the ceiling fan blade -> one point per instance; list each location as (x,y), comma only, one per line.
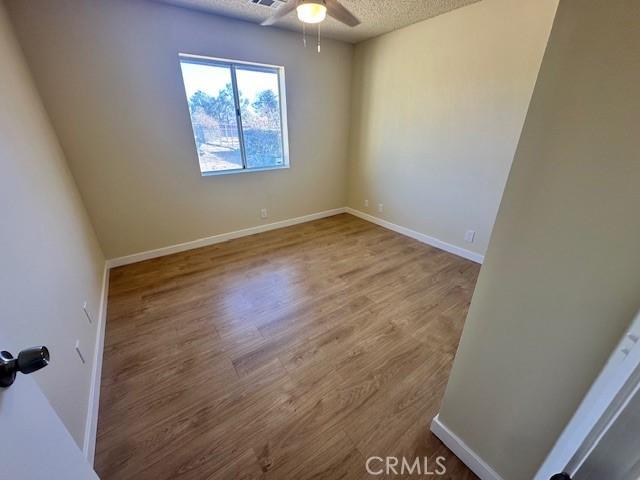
(283,10)
(340,13)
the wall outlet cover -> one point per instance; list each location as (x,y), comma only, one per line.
(470,236)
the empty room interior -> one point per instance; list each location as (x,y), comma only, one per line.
(320,239)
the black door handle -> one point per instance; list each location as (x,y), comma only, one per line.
(28,361)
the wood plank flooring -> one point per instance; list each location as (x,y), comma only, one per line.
(292,354)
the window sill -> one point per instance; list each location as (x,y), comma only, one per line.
(242,170)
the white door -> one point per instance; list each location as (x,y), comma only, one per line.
(598,414)
(617,455)
(34,443)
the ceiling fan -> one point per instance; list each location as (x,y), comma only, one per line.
(314,11)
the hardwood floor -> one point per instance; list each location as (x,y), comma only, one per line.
(292,354)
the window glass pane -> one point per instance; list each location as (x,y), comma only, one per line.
(261,124)
(213,115)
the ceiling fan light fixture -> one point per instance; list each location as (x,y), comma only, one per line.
(311,12)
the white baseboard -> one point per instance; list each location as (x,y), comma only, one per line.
(421,237)
(223,237)
(462,451)
(91,427)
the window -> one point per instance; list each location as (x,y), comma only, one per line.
(238,114)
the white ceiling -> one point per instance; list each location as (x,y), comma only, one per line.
(377,16)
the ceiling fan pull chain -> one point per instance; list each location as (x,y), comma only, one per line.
(318,38)
(304,34)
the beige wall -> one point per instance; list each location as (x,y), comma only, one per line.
(437,111)
(51,262)
(561,279)
(109,76)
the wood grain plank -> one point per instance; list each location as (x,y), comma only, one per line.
(291,354)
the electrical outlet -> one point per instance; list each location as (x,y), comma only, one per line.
(366,203)
(470,236)
(380,208)
(79,352)
(264,213)
(86,312)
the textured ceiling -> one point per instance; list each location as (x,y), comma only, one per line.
(377,16)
